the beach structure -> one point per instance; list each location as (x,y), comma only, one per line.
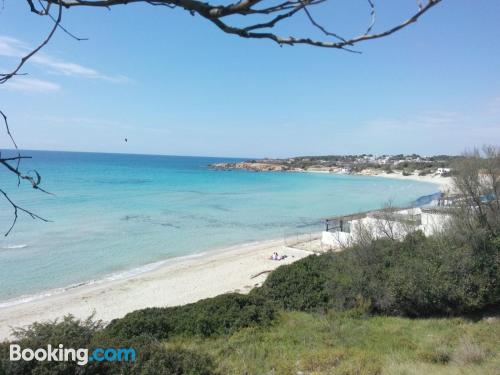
(394,223)
(443,171)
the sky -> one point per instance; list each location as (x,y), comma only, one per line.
(174,84)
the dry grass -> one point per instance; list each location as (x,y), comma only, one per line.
(469,352)
(342,344)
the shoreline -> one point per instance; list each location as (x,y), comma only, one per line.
(168,282)
(445,184)
(178,281)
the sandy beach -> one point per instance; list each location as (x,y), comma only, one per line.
(177,282)
(445,183)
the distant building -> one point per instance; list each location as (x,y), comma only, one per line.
(345,170)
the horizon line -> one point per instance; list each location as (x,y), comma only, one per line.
(218,157)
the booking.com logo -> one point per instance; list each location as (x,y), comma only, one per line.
(80,356)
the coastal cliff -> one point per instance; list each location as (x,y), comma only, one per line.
(349,164)
(257,167)
(425,169)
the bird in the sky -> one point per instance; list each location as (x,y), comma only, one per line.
(126,140)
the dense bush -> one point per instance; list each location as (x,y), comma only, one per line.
(416,277)
(223,314)
(152,356)
(70,332)
(298,286)
(141,330)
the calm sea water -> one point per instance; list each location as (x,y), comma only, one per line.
(113,213)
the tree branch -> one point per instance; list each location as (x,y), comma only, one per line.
(5,77)
(280,12)
(18,208)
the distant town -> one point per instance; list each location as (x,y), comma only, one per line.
(352,164)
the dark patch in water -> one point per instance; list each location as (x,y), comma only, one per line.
(426,199)
(170,225)
(148,219)
(136,217)
(128,181)
(220,207)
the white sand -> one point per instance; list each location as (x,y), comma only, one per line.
(178,282)
(445,183)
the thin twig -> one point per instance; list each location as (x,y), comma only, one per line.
(18,208)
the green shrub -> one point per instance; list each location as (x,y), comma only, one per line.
(220,315)
(152,356)
(71,332)
(298,286)
(416,277)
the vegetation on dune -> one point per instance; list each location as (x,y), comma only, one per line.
(352,343)
(333,343)
(153,357)
(221,315)
(418,276)
(298,286)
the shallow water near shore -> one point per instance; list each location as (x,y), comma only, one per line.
(112,214)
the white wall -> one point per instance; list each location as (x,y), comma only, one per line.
(430,223)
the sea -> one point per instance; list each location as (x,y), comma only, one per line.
(115,215)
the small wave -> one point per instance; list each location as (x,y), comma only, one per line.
(121,275)
(11,247)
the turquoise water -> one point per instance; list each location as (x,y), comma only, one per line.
(112,213)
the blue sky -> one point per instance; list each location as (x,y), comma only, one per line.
(174,84)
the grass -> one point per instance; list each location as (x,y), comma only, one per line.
(301,343)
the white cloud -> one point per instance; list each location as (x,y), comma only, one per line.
(11,47)
(431,131)
(30,84)
(423,122)
(73,69)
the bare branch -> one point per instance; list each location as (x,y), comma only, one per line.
(8,129)
(16,209)
(260,30)
(372,15)
(34,181)
(5,77)
(61,26)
